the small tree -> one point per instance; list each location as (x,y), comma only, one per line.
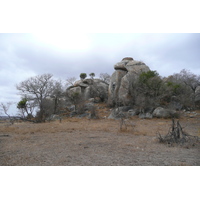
(83,75)
(23,104)
(25,107)
(75,98)
(92,75)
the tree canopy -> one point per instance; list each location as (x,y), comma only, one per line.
(83,75)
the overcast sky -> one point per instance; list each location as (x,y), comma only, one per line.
(114,28)
(68,55)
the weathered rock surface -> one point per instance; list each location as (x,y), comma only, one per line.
(197,95)
(136,67)
(114,86)
(120,112)
(127,58)
(76,90)
(89,88)
(120,85)
(145,116)
(121,65)
(133,112)
(163,113)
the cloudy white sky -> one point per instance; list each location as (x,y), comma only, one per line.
(68,55)
(66,39)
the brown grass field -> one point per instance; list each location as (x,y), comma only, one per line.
(100,142)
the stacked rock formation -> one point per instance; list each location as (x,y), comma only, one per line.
(120,85)
(89,88)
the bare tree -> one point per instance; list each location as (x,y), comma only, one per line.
(4,108)
(57,96)
(70,81)
(190,79)
(105,77)
(184,85)
(37,89)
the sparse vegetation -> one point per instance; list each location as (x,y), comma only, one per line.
(177,135)
(43,98)
(4,108)
(94,142)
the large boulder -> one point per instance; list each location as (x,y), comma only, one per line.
(75,90)
(120,112)
(197,95)
(120,66)
(124,90)
(127,59)
(136,67)
(163,113)
(115,82)
(84,82)
(145,116)
(122,79)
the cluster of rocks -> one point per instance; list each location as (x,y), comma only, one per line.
(118,93)
(120,86)
(85,94)
(89,88)
(191,114)
(83,110)
(149,113)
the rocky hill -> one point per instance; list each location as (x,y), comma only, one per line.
(89,88)
(120,85)
(135,89)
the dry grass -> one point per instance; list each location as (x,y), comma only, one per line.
(95,142)
(133,126)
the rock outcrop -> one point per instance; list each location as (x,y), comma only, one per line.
(197,95)
(120,85)
(89,88)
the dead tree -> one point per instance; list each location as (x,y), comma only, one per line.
(176,135)
(124,120)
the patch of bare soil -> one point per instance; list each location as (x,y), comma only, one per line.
(77,142)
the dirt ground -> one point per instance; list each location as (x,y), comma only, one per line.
(84,142)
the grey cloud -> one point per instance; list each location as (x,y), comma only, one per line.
(167,53)
(22,56)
